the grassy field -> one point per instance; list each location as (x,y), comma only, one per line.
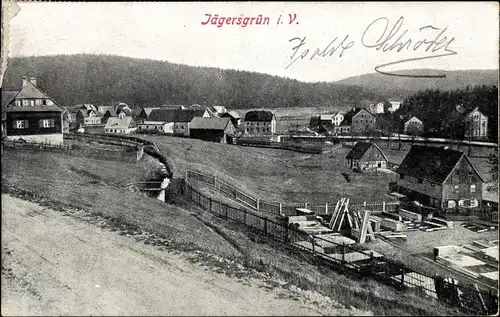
(50,179)
(277,175)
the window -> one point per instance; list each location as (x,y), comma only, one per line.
(46,123)
(472,188)
(26,102)
(474,203)
(21,124)
(451,204)
(38,102)
(456,188)
(401,176)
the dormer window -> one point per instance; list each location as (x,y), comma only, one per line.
(38,102)
(26,102)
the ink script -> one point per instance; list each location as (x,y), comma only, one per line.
(382,36)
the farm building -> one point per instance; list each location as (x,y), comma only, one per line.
(326,119)
(356,120)
(212,129)
(33,116)
(413,126)
(102,109)
(144,113)
(366,156)
(234,116)
(122,124)
(476,125)
(260,122)
(85,117)
(7,97)
(110,113)
(172,121)
(440,177)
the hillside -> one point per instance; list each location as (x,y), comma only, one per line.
(101,79)
(401,85)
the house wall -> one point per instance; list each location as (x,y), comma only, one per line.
(476,125)
(362,121)
(412,123)
(458,184)
(54,138)
(344,129)
(119,130)
(373,158)
(421,186)
(181,128)
(337,119)
(92,120)
(260,127)
(33,123)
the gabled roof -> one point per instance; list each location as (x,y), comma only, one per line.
(209,123)
(84,113)
(148,110)
(112,113)
(29,91)
(475,109)
(7,97)
(234,114)
(360,149)
(117,123)
(350,114)
(410,118)
(259,115)
(126,110)
(431,163)
(172,115)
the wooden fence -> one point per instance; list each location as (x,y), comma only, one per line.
(284,209)
(354,260)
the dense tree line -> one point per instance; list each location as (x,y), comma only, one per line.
(443,112)
(101,79)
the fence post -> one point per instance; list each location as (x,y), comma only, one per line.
(210,204)
(313,244)
(364,204)
(281,208)
(265,225)
(258,204)
(383,206)
(343,253)
(305,205)
(215,181)
(326,208)
(244,217)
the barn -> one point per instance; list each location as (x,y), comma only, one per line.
(366,156)
(212,129)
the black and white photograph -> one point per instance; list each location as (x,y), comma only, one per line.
(249,158)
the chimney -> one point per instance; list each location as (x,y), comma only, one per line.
(25,81)
(33,81)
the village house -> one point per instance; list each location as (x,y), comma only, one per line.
(33,116)
(413,126)
(356,120)
(476,125)
(122,107)
(395,104)
(260,122)
(122,124)
(440,177)
(212,129)
(337,119)
(326,120)
(110,113)
(144,113)
(102,109)
(216,111)
(85,118)
(377,108)
(170,121)
(365,156)
(234,116)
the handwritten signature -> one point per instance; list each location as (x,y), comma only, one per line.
(394,40)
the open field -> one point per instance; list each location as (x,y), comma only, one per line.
(277,175)
(187,228)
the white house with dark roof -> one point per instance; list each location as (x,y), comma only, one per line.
(413,125)
(122,124)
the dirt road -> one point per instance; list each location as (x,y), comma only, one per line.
(59,265)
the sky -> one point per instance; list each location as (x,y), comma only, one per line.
(176,32)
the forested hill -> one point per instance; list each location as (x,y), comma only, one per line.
(100,79)
(453,80)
